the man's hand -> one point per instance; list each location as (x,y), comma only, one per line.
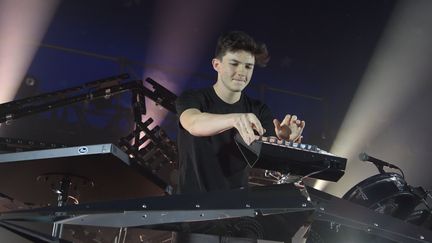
(246,123)
(290,128)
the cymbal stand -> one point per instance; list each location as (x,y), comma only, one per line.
(63,185)
(62,196)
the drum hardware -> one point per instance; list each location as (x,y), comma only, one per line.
(386,193)
(422,215)
(301,186)
(162,149)
(423,194)
(279,177)
(297,181)
(390,194)
(118,180)
(63,185)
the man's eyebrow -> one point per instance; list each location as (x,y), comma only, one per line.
(235,60)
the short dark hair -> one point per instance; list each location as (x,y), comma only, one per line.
(240,41)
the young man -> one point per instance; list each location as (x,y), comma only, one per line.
(209,118)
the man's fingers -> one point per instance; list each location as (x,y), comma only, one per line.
(256,124)
(297,134)
(245,137)
(298,140)
(276,124)
(294,119)
(244,134)
(260,130)
(284,132)
(258,127)
(287,119)
(247,125)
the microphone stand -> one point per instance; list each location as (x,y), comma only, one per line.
(380,168)
(379,164)
(382,171)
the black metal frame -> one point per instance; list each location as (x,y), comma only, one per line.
(168,212)
(158,144)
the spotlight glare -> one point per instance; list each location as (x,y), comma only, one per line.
(22,26)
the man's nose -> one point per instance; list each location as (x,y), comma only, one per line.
(241,70)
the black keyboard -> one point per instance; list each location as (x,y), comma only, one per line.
(271,153)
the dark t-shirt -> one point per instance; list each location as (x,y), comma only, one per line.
(214,162)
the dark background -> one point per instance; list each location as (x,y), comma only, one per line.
(319,51)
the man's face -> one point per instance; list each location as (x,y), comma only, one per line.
(234,70)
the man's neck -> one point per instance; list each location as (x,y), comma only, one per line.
(225,95)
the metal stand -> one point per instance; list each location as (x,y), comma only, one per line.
(121,237)
(281,178)
(63,185)
(154,146)
(62,197)
(148,152)
(150,149)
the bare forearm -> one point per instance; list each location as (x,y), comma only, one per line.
(203,124)
(208,124)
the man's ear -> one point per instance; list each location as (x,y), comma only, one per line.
(216,64)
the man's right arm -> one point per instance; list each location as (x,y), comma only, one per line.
(201,124)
